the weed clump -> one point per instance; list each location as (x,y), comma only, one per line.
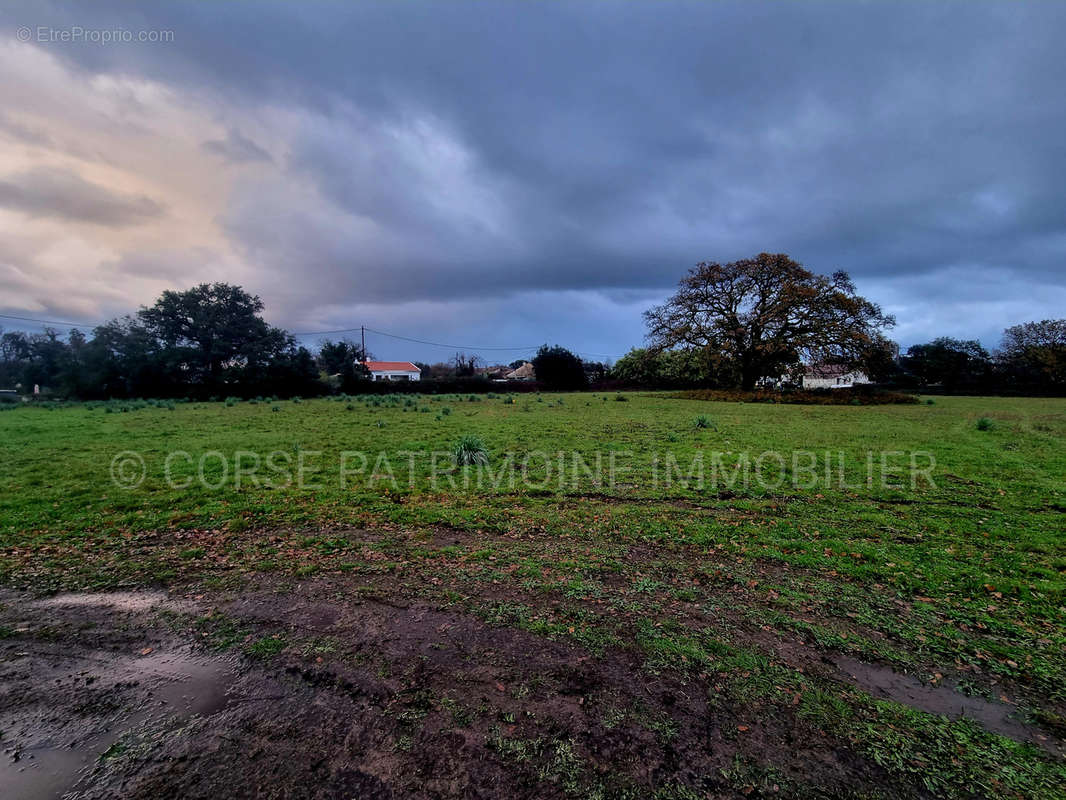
(470,450)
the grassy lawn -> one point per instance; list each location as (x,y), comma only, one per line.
(956,577)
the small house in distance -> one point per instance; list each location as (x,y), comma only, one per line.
(393,371)
(832,376)
(523,373)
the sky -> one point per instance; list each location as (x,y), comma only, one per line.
(501,175)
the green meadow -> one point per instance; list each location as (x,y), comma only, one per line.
(928,538)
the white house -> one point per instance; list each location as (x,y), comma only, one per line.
(393,371)
(817,376)
(832,376)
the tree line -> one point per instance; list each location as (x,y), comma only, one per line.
(208,341)
(728,325)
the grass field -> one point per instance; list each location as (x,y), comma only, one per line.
(839,613)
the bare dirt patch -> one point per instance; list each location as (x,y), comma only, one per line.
(339,686)
(354,697)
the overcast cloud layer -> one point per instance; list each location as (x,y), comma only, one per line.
(510,174)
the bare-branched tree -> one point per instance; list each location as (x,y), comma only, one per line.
(762,316)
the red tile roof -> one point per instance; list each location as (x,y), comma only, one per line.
(391,366)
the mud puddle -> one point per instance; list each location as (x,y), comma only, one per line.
(63,707)
(885,683)
(141,602)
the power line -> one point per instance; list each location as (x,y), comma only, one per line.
(450,346)
(410,339)
(48,321)
(454,346)
(336,331)
(325,333)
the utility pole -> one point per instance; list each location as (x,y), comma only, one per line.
(362,340)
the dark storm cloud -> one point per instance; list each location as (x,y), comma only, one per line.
(63,194)
(608,146)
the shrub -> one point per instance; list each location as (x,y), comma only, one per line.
(985,424)
(470,450)
(446,410)
(930,402)
(703,421)
(820,397)
(231,402)
(297,400)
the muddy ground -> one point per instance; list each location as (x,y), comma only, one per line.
(321,689)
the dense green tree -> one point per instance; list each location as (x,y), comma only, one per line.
(14,359)
(212,332)
(951,363)
(646,367)
(1034,353)
(344,360)
(558,368)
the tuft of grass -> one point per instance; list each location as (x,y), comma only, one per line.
(985,424)
(703,421)
(470,450)
(266,647)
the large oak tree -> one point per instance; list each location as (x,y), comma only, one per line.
(762,316)
(212,333)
